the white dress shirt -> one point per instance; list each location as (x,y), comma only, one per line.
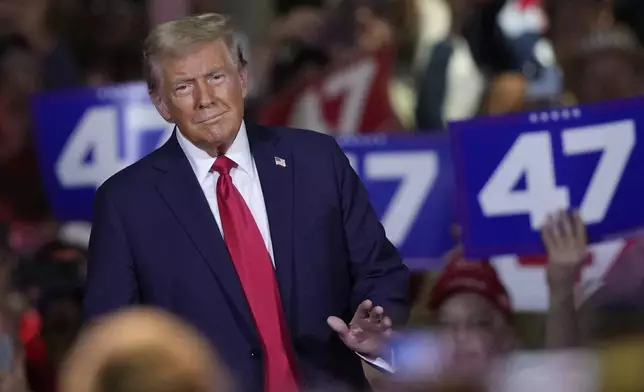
(246,180)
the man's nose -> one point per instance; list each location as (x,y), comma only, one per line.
(205,95)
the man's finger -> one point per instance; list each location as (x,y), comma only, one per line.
(363,311)
(387,323)
(372,325)
(338,325)
(374,322)
(557,232)
(376,314)
(580,228)
(566,227)
(547,234)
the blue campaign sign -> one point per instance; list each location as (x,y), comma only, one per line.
(410,184)
(84,136)
(512,171)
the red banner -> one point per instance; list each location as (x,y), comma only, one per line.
(352,97)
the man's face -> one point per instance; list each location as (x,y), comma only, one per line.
(203,93)
(478,331)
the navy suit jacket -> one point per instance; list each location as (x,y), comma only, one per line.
(155,242)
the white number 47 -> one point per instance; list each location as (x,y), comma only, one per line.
(531,156)
(417,172)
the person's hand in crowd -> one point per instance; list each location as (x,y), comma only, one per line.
(566,243)
(302,24)
(367,332)
(373,31)
(565,240)
(28,18)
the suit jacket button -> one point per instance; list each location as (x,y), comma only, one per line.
(255,353)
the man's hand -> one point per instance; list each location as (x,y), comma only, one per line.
(567,245)
(367,331)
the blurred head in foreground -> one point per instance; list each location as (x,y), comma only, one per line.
(142,350)
(473,308)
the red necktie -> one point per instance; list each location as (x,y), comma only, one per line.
(257,275)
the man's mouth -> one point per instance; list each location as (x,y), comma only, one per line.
(211,119)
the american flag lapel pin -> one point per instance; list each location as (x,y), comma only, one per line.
(280,162)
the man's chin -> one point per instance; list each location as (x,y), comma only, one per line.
(218,137)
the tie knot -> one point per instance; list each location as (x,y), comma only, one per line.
(223,165)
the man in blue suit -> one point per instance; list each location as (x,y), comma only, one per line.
(262,237)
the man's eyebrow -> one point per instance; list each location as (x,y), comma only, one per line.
(214,71)
(187,79)
(183,80)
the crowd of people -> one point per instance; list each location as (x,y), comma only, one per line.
(454,59)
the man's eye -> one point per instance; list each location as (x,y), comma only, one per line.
(217,77)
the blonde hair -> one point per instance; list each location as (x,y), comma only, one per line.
(172,39)
(143,350)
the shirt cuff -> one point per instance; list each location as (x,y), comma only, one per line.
(380,363)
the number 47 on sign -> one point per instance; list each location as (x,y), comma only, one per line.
(531,156)
(513,171)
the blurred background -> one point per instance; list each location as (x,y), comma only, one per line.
(436,61)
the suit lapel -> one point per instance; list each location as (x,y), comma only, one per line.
(275,168)
(181,191)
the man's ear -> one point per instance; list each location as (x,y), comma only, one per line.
(162,108)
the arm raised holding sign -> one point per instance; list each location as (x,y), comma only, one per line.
(565,239)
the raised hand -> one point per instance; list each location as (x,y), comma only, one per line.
(564,237)
(368,330)
(566,242)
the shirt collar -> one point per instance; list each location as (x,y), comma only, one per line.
(201,162)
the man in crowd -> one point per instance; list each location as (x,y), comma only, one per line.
(264,238)
(472,304)
(472,307)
